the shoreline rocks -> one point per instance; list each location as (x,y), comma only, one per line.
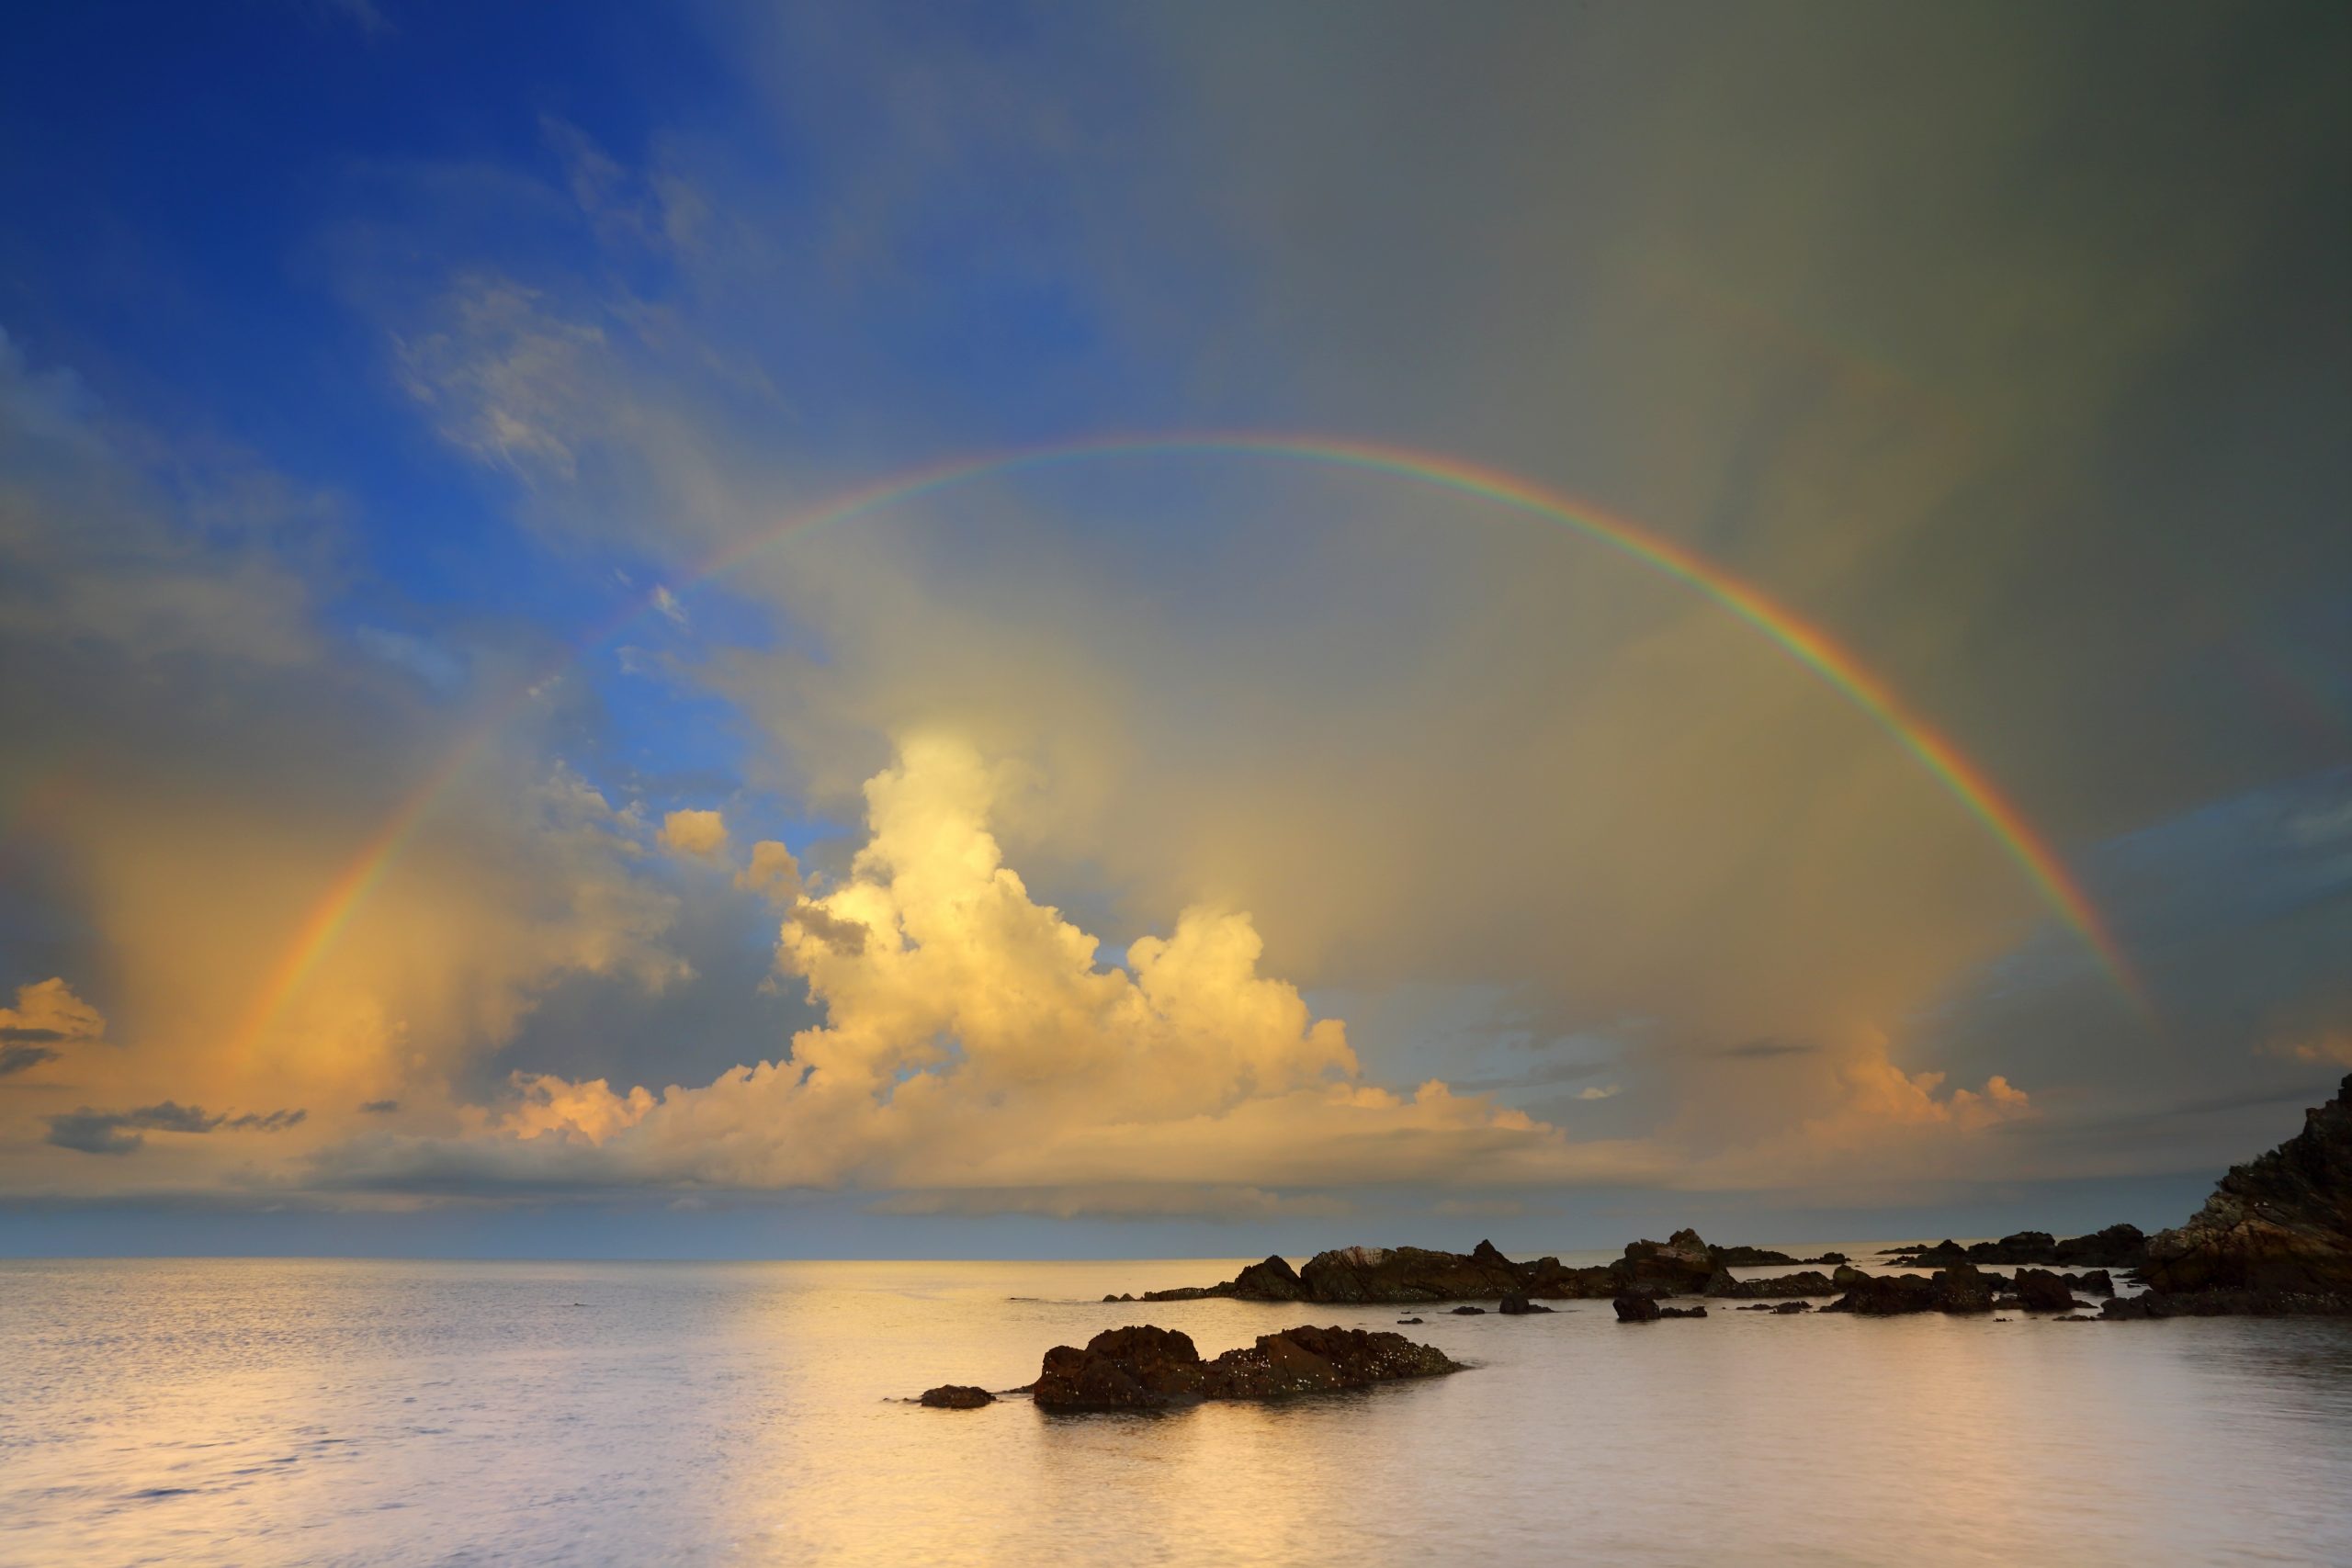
(1147,1367)
(2116,1247)
(1405,1276)
(2274,1240)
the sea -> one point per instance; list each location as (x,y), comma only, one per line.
(259,1412)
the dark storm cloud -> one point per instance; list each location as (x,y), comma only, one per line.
(380,1107)
(119,1132)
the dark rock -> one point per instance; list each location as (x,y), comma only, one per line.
(2040,1290)
(956,1397)
(1516,1305)
(1958,1289)
(1125,1298)
(1469,1311)
(1682,1311)
(2116,1247)
(1681,1265)
(1810,1283)
(1408,1320)
(1750,1257)
(2280,1225)
(2099,1282)
(1886,1295)
(1786,1307)
(1154,1369)
(1829,1258)
(1272,1280)
(1849,1279)
(1636,1309)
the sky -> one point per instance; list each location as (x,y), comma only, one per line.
(1165,631)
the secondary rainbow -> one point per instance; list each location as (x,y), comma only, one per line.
(1809,644)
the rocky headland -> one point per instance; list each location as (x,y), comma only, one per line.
(2274,1240)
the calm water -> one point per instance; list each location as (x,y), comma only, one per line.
(268,1412)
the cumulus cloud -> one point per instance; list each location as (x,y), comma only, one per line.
(702,834)
(50,1010)
(973,1042)
(774,874)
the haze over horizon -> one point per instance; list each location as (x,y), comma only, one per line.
(1644,616)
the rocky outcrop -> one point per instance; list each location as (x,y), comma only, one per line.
(955,1396)
(1961,1288)
(1145,1367)
(2281,1224)
(1681,1265)
(2038,1290)
(1516,1305)
(2116,1247)
(1808,1282)
(1753,1257)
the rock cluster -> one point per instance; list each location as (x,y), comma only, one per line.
(2116,1247)
(2274,1239)
(1681,1265)
(1809,1283)
(1146,1368)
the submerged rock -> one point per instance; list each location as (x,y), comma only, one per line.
(955,1396)
(1469,1311)
(1146,1368)
(1516,1305)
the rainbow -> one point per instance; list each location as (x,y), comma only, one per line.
(1810,645)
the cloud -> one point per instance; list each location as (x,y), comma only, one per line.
(119,1132)
(48,1015)
(2332,1048)
(379,1107)
(973,1043)
(667,603)
(49,1011)
(774,874)
(699,833)
(1599,1092)
(1759,1049)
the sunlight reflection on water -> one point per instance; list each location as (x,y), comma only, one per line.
(269,1412)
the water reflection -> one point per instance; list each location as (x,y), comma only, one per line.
(312,1412)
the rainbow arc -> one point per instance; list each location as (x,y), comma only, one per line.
(1810,645)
